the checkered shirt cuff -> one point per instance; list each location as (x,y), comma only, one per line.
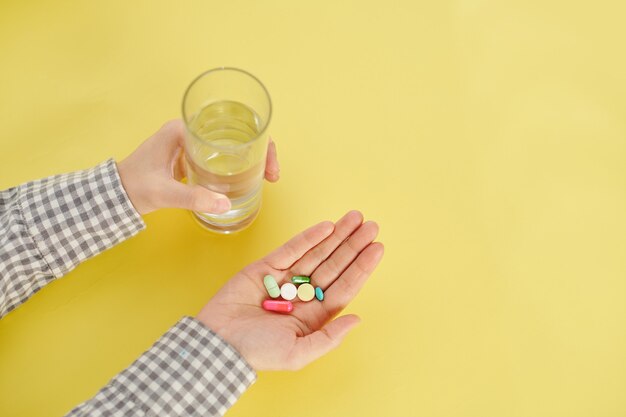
(49,226)
(75,216)
(189,371)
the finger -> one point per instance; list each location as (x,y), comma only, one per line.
(272,168)
(347,286)
(195,197)
(344,255)
(343,229)
(170,139)
(178,165)
(171,135)
(320,342)
(175,129)
(294,249)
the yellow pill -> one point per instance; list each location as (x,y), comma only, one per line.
(306,292)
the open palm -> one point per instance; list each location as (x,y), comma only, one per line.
(338,257)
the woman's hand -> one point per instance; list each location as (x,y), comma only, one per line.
(339,258)
(151,175)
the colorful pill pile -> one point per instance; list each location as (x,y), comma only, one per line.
(300,286)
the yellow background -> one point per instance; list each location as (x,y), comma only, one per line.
(486,137)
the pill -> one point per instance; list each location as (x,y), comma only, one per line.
(288,291)
(271,286)
(279,306)
(319,294)
(306,292)
(300,279)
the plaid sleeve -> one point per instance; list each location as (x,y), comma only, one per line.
(189,371)
(49,226)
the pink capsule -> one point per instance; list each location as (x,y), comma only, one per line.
(279,306)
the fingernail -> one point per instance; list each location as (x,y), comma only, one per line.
(273,176)
(221,205)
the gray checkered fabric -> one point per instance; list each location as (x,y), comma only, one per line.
(190,371)
(47,227)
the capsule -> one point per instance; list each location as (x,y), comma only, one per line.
(300,279)
(271,286)
(319,294)
(278,306)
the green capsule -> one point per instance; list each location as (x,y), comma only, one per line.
(300,279)
(271,286)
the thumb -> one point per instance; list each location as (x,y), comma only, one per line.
(196,198)
(319,343)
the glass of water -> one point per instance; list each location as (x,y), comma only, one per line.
(226,113)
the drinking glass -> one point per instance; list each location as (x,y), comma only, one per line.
(226,113)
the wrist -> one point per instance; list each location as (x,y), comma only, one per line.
(132,190)
(213,325)
(222,330)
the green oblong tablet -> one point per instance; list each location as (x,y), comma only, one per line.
(300,279)
(271,286)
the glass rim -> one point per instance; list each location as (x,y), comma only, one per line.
(244,72)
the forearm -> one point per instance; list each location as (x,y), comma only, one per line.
(49,226)
(189,371)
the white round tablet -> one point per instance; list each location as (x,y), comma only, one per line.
(288,291)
